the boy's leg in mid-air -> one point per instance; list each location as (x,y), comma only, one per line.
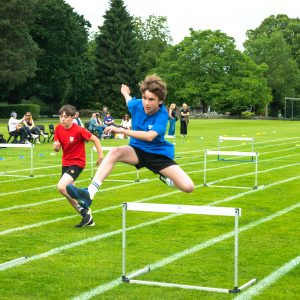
(175,176)
(125,154)
(69,174)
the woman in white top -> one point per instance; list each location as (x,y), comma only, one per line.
(126,123)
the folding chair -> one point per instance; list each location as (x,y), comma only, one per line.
(12,135)
(51,133)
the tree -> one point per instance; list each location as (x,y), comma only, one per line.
(64,74)
(154,38)
(269,44)
(18,51)
(116,57)
(206,70)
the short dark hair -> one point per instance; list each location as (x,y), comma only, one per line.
(68,109)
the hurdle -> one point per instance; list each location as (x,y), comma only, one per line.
(20,146)
(93,149)
(226,138)
(231,153)
(182,209)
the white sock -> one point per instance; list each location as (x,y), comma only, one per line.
(93,187)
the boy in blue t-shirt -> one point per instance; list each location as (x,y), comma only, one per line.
(147,146)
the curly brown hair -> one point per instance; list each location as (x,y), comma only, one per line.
(155,85)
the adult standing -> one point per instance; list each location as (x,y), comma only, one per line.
(184,119)
(172,119)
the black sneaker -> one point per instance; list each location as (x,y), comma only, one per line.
(90,224)
(87,219)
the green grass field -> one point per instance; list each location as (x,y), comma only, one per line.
(64,262)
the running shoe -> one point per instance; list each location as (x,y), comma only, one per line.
(166,180)
(87,219)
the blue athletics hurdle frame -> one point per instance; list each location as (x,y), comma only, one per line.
(181,209)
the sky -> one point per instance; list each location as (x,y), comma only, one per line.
(233,17)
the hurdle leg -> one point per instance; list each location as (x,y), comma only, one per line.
(31,161)
(92,163)
(236,248)
(124,278)
(204,172)
(256,172)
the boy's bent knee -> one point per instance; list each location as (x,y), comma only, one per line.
(188,188)
(61,189)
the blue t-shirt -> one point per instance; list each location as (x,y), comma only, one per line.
(157,122)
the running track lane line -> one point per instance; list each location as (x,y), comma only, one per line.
(25,227)
(114,283)
(270,279)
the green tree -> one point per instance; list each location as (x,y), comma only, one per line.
(116,57)
(205,70)
(289,27)
(153,39)
(18,51)
(65,75)
(268,45)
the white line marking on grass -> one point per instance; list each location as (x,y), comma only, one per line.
(114,283)
(113,175)
(80,243)
(88,169)
(11,230)
(267,281)
(95,238)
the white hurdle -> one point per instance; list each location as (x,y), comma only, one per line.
(181,209)
(21,146)
(227,138)
(93,149)
(230,153)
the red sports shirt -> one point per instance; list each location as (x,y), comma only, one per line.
(72,143)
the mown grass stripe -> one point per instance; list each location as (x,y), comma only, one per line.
(267,281)
(114,283)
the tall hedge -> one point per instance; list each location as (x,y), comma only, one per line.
(20,109)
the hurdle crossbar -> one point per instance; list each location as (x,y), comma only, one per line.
(30,145)
(93,149)
(181,209)
(227,138)
(230,153)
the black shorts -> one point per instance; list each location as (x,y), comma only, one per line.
(153,162)
(73,171)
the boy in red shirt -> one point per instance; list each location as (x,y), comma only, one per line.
(71,138)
